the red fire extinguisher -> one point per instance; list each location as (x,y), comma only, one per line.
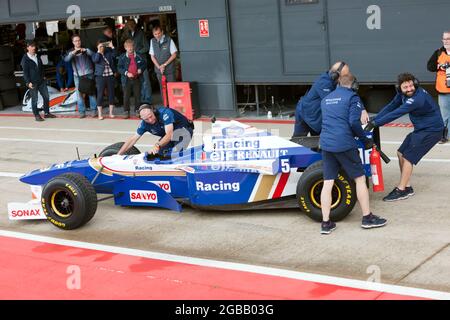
(377,170)
(164,90)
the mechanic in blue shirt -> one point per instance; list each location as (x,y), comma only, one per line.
(341,123)
(308,116)
(174,129)
(426,118)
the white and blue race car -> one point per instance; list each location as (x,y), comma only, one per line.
(237,167)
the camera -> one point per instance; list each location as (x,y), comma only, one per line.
(447,74)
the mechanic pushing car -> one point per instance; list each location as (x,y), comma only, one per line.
(341,122)
(428,125)
(174,129)
(308,116)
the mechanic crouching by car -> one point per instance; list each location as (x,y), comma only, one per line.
(174,129)
(308,117)
(341,123)
(428,129)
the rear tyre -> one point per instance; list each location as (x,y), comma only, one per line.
(69,201)
(114,149)
(310,186)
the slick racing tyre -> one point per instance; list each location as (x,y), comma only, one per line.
(69,201)
(114,148)
(310,186)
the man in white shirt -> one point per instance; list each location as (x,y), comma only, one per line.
(33,74)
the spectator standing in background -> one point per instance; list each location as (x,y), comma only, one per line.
(104,75)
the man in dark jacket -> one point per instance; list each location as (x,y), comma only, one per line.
(341,123)
(308,116)
(105,67)
(131,67)
(428,129)
(33,74)
(64,75)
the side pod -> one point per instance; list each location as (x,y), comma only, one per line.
(132,192)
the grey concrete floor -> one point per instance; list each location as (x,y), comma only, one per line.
(412,250)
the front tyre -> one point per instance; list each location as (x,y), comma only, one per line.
(69,201)
(115,148)
(309,188)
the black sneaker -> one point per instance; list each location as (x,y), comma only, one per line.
(372,221)
(38,118)
(410,191)
(443,140)
(328,227)
(396,194)
(49,115)
(82,115)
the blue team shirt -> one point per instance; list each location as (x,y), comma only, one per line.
(309,105)
(341,121)
(423,111)
(166,116)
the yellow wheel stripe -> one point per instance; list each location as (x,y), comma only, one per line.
(317,202)
(52,203)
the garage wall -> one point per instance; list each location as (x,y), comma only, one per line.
(207,61)
(410,32)
(274,42)
(14,11)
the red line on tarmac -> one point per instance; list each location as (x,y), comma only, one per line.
(40,270)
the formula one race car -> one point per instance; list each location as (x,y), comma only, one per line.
(237,167)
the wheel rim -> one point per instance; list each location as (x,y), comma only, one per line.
(62,203)
(316,189)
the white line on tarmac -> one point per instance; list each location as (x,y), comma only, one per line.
(358,284)
(428,160)
(67,130)
(400,142)
(10,174)
(64,142)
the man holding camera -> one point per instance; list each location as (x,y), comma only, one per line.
(440,63)
(83,70)
(428,129)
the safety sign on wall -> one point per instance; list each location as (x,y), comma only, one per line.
(203,28)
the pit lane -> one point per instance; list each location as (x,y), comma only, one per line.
(412,250)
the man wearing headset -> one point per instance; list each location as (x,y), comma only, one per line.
(308,116)
(341,123)
(174,129)
(428,125)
